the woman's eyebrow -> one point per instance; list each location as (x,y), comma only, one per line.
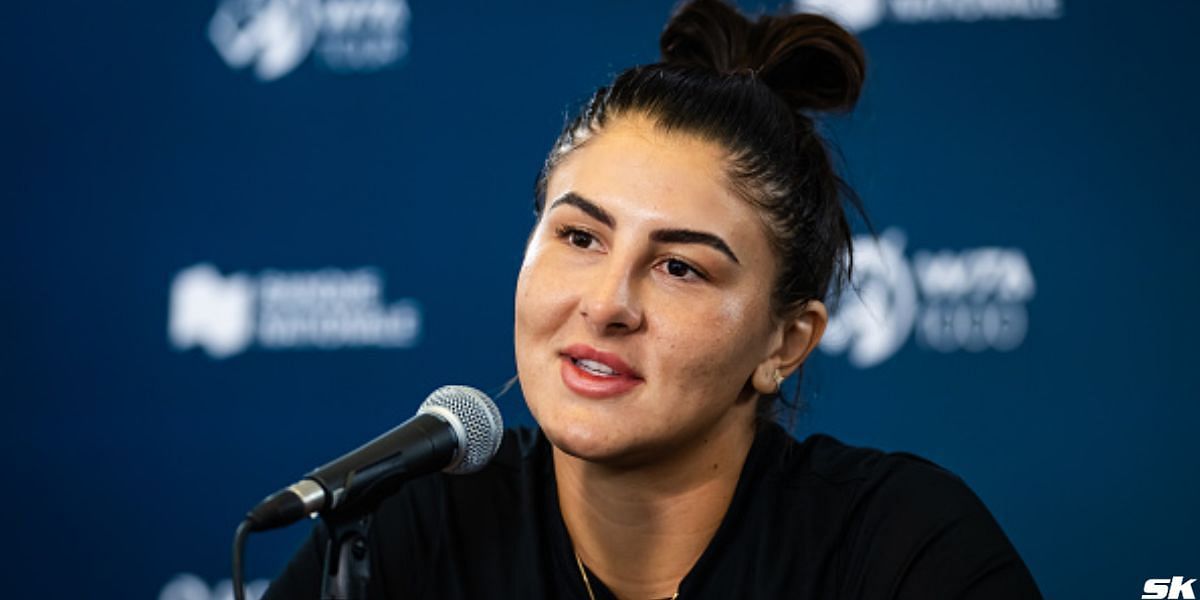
(666,236)
(586,206)
(688,236)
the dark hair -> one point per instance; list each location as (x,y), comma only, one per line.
(752,87)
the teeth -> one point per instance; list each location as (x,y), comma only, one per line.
(594,367)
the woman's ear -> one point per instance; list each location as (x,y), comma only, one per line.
(799,333)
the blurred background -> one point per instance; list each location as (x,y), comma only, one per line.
(242,237)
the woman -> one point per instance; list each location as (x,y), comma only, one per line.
(689,226)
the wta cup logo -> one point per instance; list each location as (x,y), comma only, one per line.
(875,315)
(952,300)
(275,36)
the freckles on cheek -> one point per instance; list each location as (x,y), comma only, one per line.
(715,354)
(744,317)
(529,306)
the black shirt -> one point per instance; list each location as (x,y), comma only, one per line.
(811,519)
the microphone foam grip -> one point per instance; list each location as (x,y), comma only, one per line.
(478,419)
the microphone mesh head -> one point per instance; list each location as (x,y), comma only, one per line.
(479,420)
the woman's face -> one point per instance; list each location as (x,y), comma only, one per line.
(643,303)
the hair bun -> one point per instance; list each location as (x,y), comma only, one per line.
(706,34)
(809,60)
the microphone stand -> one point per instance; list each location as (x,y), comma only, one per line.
(347,560)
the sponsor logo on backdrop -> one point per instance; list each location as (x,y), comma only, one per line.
(275,36)
(287,310)
(186,586)
(948,300)
(860,15)
(1175,588)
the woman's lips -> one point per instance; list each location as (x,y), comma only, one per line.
(607,359)
(594,374)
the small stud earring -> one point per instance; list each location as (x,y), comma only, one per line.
(778,380)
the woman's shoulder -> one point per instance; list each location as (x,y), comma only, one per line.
(877,487)
(898,520)
(880,474)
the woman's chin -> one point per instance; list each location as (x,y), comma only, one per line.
(595,444)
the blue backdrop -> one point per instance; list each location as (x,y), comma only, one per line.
(242,236)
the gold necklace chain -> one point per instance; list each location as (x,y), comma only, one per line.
(588,584)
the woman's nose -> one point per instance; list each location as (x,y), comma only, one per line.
(610,306)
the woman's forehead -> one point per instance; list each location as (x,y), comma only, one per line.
(635,168)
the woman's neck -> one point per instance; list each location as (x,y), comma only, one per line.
(641,529)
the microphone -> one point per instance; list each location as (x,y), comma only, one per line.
(457,430)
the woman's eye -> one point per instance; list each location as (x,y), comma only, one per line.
(576,237)
(580,239)
(677,268)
